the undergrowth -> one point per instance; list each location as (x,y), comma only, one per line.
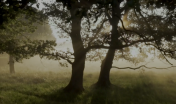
(37,87)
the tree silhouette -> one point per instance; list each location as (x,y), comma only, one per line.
(73,14)
(145,29)
(18,43)
(140,29)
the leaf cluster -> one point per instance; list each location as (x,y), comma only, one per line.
(11,8)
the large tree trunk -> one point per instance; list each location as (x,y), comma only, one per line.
(104,80)
(76,82)
(11,64)
(106,65)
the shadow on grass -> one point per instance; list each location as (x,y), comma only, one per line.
(55,97)
(140,94)
(62,96)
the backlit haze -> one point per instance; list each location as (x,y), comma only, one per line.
(64,44)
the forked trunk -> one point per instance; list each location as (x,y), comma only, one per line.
(76,82)
(11,64)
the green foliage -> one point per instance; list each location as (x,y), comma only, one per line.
(27,49)
(11,9)
(25,37)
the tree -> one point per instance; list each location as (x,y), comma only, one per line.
(119,39)
(10,9)
(92,45)
(146,30)
(78,10)
(43,32)
(18,43)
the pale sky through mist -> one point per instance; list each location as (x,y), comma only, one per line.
(62,44)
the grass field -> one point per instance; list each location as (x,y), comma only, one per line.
(37,87)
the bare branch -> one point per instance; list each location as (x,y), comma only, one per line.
(96,47)
(57,56)
(98,31)
(137,41)
(125,8)
(142,36)
(65,30)
(130,30)
(141,67)
(166,58)
(123,46)
(161,50)
(109,17)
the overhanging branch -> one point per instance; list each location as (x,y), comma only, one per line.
(137,41)
(161,50)
(98,31)
(96,47)
(142,66)
(58,56)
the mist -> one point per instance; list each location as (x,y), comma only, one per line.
(42,64)
(87,52)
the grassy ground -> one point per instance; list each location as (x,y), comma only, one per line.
(37,87)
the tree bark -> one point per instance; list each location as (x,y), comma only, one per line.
(11,64)
(106,65)
(76,82)
(104,80)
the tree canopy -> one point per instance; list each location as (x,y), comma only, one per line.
(142,26)
(11,8)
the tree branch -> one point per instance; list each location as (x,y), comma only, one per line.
(58,55)
(65,30)
(166,58)
(161,50)
(125,8)
(109,17)
(141,67)
(98,31)
(137,41)
(96,47)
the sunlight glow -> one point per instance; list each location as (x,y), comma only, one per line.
(125,23)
